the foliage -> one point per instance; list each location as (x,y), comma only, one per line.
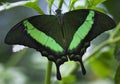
(100,61)
(117,76)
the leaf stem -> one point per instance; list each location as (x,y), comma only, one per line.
(48,73)
(16,58)
(60,4)
(115,31)
(33,4)
(96,49)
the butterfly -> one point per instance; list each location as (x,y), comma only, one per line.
(62,36)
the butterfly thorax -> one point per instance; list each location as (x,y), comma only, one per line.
(59,15)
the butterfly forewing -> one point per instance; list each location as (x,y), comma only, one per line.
(72,21)
(84,25)
(102,23)
(49,25)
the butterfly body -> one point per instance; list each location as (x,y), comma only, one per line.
(62,36)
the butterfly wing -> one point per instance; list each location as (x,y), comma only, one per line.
(55,40)
(83,26)
(42,33)
(43,29)
(72,20)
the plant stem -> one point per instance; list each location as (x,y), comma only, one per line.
(48,73)
(7,6)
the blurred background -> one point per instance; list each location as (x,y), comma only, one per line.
(27,66)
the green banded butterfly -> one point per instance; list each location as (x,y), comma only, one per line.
(62,36)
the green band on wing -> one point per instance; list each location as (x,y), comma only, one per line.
(42,38)
(82,31)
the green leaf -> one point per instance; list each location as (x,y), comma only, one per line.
(116,34)
(103,64)
(117,76)
(60,4)
(96,2)
(80,7)
(34,5)
(68,68)
(93,3)
(87,3)
(71,5)
(69,79)
(99,9)
(50,2)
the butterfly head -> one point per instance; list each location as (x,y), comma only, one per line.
(58,12)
